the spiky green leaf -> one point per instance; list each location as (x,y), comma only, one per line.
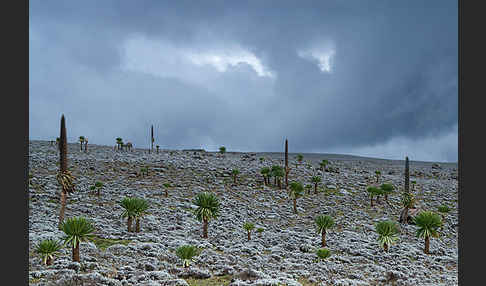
(323,222)
(77,229)
(207,206)
(427,222)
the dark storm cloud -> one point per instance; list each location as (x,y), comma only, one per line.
(393,74)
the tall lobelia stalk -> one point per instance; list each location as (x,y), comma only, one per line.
(64,177)
(406,195)
(63,166)
(63,146)
(152,138)
(81,142)
(286,164)
(407,175)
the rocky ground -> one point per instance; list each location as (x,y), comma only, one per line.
(283,254)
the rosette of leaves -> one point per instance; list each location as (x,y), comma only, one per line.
(323,164)
(427,223)
(141,207)
(387,233)
(186,254)
(377,173)
(77,230)
(249,226)
(235,173)
(323,223)
(316,180)
(166,186)
(386,189)
(265,171)
(48,248)
(443,209)
(323,253)
(144,171)
(379,192)
(129,206)
(119,142)
(372,191)
(308,188)
(413,185)
(97,186)
(299,158)
(81,141)
(296,191)
(207,209)
(278,173)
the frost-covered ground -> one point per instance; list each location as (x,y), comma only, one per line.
(283,253)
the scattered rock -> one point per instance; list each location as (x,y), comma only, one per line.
(194,273)
(283,253)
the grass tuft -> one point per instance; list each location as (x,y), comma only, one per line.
(104,243)
(34,280)
(214,280)
(306,282)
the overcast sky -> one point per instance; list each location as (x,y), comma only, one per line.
(370,78)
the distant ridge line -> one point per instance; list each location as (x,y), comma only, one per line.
(330,156)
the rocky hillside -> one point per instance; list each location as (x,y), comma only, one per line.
(282,254)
